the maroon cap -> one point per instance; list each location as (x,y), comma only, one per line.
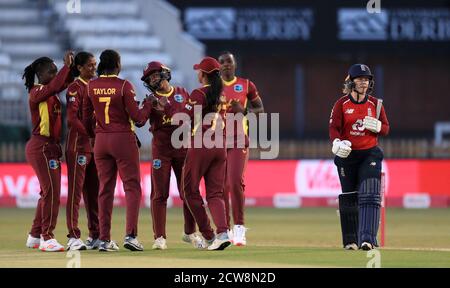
(207,65)
(152,67)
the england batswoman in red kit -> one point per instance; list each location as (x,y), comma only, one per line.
(356,122)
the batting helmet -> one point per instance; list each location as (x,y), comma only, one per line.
(153,67)
(358,70)
(355,71)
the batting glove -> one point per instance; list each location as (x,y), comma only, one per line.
(372,124)
(341,148)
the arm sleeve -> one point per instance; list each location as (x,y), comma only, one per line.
(384,123)
(136,114)
(88,113)
(73,97)
(253,93)
(335,125)
(58,84)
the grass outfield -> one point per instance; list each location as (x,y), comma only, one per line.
(307,237)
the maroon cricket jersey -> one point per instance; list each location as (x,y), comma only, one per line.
(346,122)
(77,137)
(160,121)
(243,90)
(45,107)
(112,99)
(198,97)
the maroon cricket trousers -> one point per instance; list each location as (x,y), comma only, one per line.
(118,152)
(211,165)
(237,159)
(165,158)
(44,155)
(82,180)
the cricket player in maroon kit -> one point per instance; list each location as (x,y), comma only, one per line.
(239,93)
(156,78)
(202,162)
(116,149)
(356,121)
(81,170)
(43,150)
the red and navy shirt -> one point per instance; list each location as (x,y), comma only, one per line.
(346,122)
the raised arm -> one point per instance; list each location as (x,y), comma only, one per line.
(136,114)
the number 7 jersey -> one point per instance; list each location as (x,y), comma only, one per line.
(113,101)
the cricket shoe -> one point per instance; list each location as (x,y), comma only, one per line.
(239,235)
(51,245)
(132,244)
(366,246)
(108,246)
(221,242)
(75,244)
(351,246)
(92,244)
(33,242)
(194,239)
(160,244)
(230,235)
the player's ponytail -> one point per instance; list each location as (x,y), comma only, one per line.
(214,91)
(109,60)
(80,59)
(31,71)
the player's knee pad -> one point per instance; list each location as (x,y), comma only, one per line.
(370,192)
(348,212)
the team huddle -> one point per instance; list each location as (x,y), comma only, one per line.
(102,115)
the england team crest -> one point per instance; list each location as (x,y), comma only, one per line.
(238,88)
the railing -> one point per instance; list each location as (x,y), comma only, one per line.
(306,149)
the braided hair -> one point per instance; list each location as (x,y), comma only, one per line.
(33,69)
(80,59)
(109,60)
(214,91)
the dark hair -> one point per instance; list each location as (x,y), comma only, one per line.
(109,60)
(225,53)
(34,68)
(214,91)
(80,59)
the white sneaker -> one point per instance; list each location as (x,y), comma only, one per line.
(132,244)
(75,244)
(160,244)
(239,235)
(51,245)
(108,246)
(366,246)
(194,239)
(221,242)
(351,246)
(230,234)
(33,242)
(92,244)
